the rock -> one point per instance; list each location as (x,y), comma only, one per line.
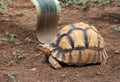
(33,69)
(63,76)
(117,52)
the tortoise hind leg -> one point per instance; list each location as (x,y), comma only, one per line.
(54,63)
(105,57)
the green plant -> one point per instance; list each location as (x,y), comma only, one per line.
(14,39)
(20,54)
(11,2)
(4,5)
(65,3)
(115,27)
(3,39)
(102,2)
(10,37)
(84,2)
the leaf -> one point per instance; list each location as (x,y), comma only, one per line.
(6,33)
(3,39)
(17,42)
(12,37)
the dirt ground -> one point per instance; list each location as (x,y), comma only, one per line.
(21,61)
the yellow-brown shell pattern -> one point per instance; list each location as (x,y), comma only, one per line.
(79,44)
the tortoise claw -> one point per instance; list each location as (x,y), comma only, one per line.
(104,62)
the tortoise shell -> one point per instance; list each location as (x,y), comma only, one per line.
(78,44)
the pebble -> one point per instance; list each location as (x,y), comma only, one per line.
(117,52)
(33,69)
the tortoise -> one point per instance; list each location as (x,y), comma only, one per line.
(76,44)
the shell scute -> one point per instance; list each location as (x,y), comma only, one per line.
(79,44)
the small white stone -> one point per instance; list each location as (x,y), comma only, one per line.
(115,20)
(33,69)
(117,52)
(63,76)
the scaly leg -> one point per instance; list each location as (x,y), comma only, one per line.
(54,63)
(105,57)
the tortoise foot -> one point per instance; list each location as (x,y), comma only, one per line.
(54,63)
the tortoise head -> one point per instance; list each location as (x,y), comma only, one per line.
(45,49)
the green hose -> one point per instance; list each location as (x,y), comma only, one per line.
(48,16)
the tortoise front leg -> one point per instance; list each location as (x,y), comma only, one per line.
(54,63)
